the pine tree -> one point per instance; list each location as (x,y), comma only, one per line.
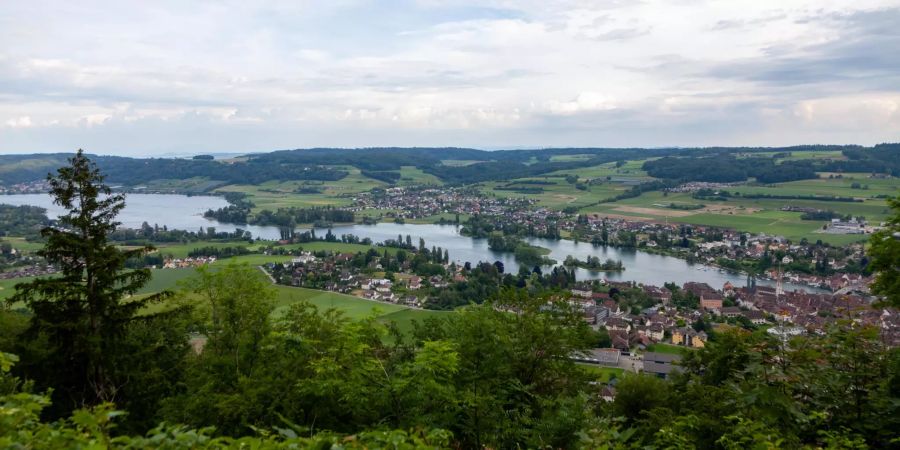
(83,315)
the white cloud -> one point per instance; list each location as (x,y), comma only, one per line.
(19,122)
(353,73)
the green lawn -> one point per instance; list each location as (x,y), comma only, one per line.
(604,374)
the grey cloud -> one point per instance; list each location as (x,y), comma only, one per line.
(864,53)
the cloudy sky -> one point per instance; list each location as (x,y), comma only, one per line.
(154,78)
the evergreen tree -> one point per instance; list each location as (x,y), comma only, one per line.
(83,317)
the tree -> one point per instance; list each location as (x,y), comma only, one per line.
(83,316)
(884,251)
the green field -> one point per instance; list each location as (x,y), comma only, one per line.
(8,287)
(21,244)
(752,215)
(410,175)
(353,307)
(274,194)
(603,374)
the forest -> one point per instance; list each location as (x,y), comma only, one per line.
(22,220)
(689,164)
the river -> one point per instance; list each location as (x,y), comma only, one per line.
(186,212)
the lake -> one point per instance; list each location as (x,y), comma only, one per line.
(186,212)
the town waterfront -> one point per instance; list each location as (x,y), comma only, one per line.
(186,213)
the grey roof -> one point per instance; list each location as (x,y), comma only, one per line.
(659,368)
(660,357)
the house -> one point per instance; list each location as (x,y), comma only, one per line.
(661,364)
(415,283)
(755,317)
(656,332)
(661,295)
(602,314)
(617,324)
(608,393)
(689,338)
(619,340)
(583,293)
(711,300)
(731,311)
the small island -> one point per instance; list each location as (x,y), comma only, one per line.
(594,264)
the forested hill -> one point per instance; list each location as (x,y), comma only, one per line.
(466,165)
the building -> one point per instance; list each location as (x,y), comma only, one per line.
(711,300)
(661,364)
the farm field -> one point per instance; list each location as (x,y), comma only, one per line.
(8,287)
(558,195)
(410,175)
(274,194)
(838,187)
(752,215)
(21,244)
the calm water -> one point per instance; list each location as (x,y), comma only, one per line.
(178,212)
(639,266)
(183,212)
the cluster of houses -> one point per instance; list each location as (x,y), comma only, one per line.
(334,273)
(32,187)
(419,202)
(793,312)
(184,263)
(28,271)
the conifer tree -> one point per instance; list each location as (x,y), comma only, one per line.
(82,316)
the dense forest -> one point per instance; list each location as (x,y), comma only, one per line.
(727,168)
(698,164)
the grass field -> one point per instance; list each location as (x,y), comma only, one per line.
(353,307)
(8,287)
(21,244)
(604,374)
(752,215)
(558,195)
(274,194)
(410,175)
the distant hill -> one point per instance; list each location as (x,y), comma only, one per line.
(690,164)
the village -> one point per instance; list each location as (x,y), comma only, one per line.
(635,316)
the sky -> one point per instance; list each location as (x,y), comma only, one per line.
(174,77)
